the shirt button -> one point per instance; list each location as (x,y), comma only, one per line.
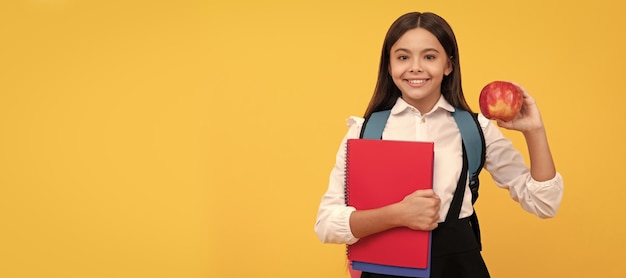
(423,120)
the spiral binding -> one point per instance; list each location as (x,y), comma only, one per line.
(346,186)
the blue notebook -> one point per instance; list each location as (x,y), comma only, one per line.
(394,270)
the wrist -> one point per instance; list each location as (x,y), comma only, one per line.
(537,132)
(394,215)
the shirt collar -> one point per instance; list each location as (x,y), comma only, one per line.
(402,106)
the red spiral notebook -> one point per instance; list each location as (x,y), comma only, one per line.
(379,173)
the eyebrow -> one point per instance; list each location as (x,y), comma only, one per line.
(425,50)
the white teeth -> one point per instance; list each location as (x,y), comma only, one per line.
(417,81)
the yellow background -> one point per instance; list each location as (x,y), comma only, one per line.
(195,138)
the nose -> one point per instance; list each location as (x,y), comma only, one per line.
(415,67)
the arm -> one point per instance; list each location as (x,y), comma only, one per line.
(541,164)
(529,122)
(418,211)
(539,190)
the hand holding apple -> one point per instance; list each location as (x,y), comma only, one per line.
(501,100)
(527,119)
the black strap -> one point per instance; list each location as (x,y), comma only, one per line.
(457,199)
(457,202)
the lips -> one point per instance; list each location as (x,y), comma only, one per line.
(416,82)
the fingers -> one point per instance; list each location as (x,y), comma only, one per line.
(426,197)
(527,97)
(520,86)
(427,221)
(422,210)
(426,193)
(433,226)
(507,125)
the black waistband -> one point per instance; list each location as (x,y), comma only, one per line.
(453,236)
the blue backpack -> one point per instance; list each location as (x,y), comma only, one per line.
(473,141)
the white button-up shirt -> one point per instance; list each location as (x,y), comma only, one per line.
(502,161)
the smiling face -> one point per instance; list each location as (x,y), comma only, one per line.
(417,65)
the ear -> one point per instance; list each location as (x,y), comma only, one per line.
(449,67)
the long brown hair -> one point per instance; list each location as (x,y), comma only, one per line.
(386,92)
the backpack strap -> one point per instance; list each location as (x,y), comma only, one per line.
(474,143)
(374,125)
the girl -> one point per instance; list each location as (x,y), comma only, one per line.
(420,81)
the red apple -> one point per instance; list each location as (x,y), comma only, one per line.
(501,100)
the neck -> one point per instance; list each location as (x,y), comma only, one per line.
(423,105)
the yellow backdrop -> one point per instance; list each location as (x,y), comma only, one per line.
(195,138)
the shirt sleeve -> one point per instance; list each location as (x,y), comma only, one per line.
(509,171)
(333,216)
